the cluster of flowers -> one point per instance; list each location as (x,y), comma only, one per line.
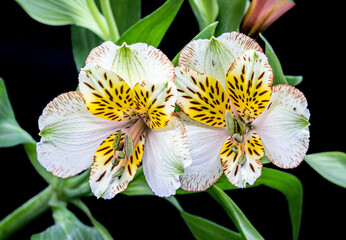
(124,114)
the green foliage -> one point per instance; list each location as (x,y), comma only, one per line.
(205,11)
(330,165)
(151,29)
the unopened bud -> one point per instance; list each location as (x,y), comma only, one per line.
(128,145)
(119,172)
(116,142)
(229,123)
(238,138)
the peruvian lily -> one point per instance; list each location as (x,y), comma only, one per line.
(262,13)
(121,116)
(235,115)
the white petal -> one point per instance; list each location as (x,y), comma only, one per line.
(215,56)
(70,135)
(283,127)
(133,63)
(205,146)
(166,156)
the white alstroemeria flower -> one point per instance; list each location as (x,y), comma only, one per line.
(121,117)
(231,73)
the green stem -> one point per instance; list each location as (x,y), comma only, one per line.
(25,213)
(97,16)
(112,26)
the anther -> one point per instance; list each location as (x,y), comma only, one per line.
(116,141)
(128,145)
(238,138)
(120,154)
(119,172)
(241,128)
(242,159)
(229,123)
(234,149)
(114,161)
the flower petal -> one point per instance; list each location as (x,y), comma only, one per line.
(104,181)
(166,156)
(133,63)
(237,173)
(70,135)
(155,103)
(205,146)
(105,94)
(215,56)
(283,127)
(248,83)
(201,97)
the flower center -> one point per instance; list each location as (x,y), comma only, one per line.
(237,129)
(124,144)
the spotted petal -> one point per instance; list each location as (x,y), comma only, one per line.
(205,146)
(248,83)
(247,172)
(106,179)
(70,135)
(166,156)
(106,95)
(155,103)
(201,97)
(283,127)
(133,63)
(215,56)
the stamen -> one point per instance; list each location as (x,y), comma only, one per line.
(128,145)
(229,123)
(120,154)
(116,142)
(241,128)
(119,172)
(238,138)
(242,159)
(114,161)
(234,149)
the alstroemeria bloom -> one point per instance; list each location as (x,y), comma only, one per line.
(121,117)
(262,13)
(231,73)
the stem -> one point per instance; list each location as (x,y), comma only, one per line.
(25,213)
(97,16)
(112,26)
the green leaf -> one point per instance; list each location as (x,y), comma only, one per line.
(151,29)
(138,186)
(230,15)
(11,133)
(126,13)
(239,219)
(203,229)
(294,80)
(278,75)
(83,41)
(206,33)
(205,11)
(62,12)
(98,226)
(330,165)
(291,187)
(67,226)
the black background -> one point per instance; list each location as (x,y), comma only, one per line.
(36,64)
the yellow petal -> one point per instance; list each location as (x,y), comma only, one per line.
(155,102)
(106,95)
(248,83)
(202,97)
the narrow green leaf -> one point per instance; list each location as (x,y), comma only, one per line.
(205,11)
(138,186)
(279,77)
(98,226)
(230,15)
(330,165)
(11,133)
(62,12)
(83,41)
(67,226)
(291,187)
(294,80)
(126,13)
(206,33)
(239,219)
(203,229)
(152,28)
